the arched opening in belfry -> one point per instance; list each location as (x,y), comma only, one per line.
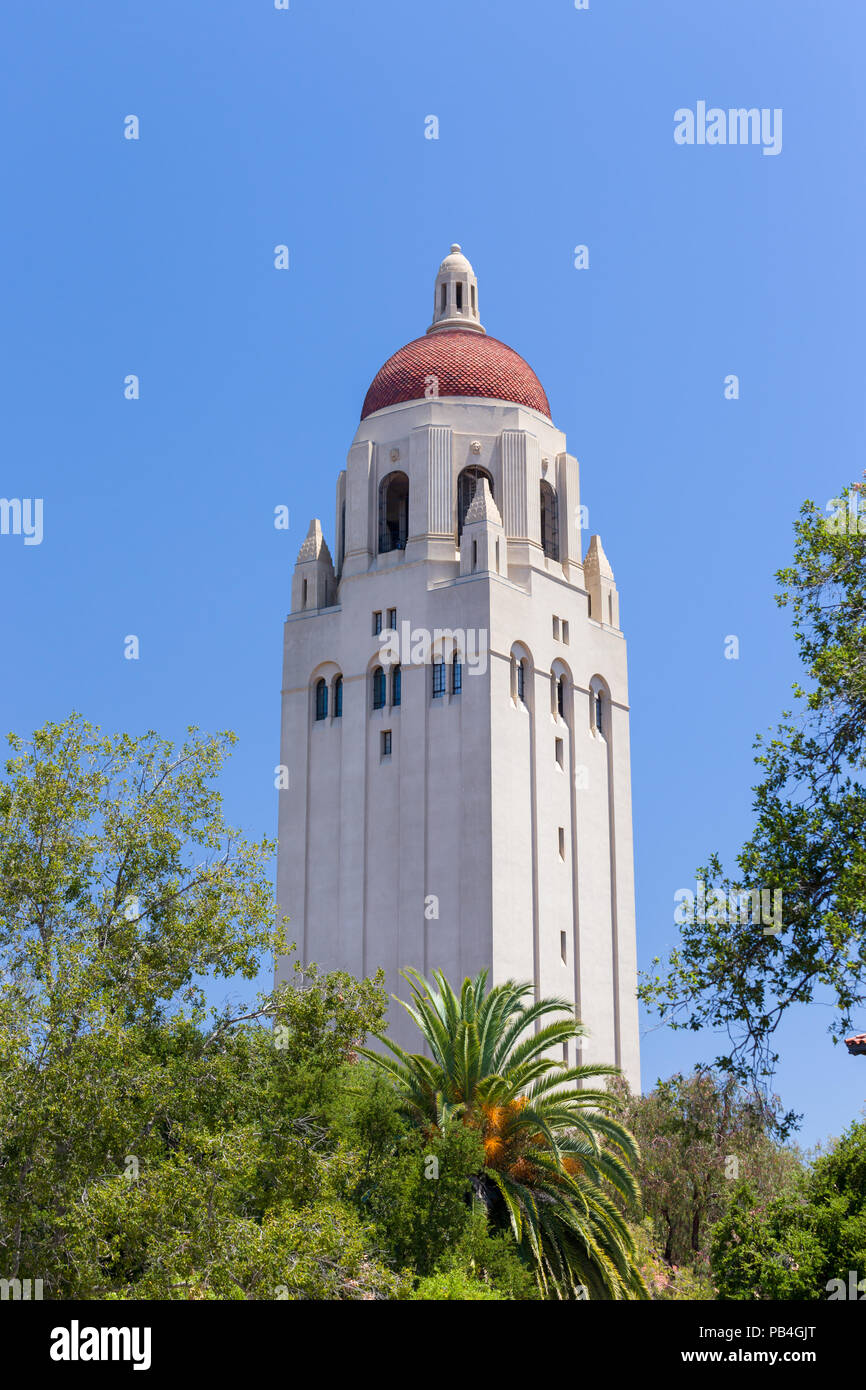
(393,512)
(467,482)
(549,528)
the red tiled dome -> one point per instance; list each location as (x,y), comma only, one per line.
(465,363)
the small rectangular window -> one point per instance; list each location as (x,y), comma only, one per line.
(377,623)
(563,947)
(456,677)
(556,629)
(565,631)
(392,618)
(562,842)
(438,679)
(559,751)
(386,743)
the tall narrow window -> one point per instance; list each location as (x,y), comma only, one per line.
(556,629)
(558,750)
(378,688)
(392,618)
(321,698)
(456,675)
(338,697)
(459,293)
(599,712)
(549,530)
(473,299)
(562,842)
(342,534)
(393,512)
(560,697)
(565,631)
(377,624)
(497,557)
(521,681)
(474,555)
(396,685)
(442,299)
(438,679)
(563,950)
(304,598)
(386,743)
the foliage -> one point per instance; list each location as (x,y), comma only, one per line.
(554,1156)
(794,1245)
(667,1282)
(700,1137)
(146,1148)
(418,1195)
(809,840)
(454,1284)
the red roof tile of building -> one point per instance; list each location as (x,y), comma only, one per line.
(464,363)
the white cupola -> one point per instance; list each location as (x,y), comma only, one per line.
(455,298)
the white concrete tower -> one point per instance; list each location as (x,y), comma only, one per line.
(455,708)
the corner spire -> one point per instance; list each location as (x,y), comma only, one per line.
(455,296)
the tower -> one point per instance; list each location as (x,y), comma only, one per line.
(454,708)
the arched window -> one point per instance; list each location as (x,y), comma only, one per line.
(378,688)
(549,528)
(321,698)
(599,712)
(467,482)
(560,697)
(396,685)
(338,697)
(456,674)
(393,512)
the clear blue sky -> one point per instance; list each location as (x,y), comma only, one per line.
(306,127)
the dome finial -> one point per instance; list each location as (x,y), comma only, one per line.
(455,296)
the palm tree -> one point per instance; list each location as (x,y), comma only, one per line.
(555,1158)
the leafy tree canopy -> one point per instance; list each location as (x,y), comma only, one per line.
(734,969)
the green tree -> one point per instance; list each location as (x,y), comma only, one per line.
(701,1138)
(798,1245)
(809,841)
(150,1147)
(555,1158)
